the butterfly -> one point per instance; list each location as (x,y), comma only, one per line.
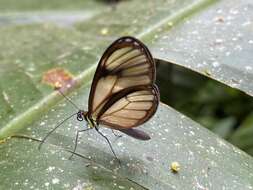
(123,93)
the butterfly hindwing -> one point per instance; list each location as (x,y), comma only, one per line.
(130,107)
(127,63)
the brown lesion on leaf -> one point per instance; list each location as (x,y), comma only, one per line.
(58,78)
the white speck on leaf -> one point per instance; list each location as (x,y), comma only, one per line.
(55,181)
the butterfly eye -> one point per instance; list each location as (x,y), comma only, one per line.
(79,116)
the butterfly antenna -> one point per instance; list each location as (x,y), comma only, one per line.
(45,138)
(69,100)
(110,145)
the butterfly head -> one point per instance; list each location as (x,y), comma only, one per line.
(81,115)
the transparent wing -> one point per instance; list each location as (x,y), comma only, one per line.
(130,107)
(125,64)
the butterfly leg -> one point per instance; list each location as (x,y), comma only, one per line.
(76,141)
(57,126)
(110,145)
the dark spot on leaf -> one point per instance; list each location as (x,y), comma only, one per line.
(149,158)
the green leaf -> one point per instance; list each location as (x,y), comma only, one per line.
(32,109)
(38,5)
(203,157)
(217,42)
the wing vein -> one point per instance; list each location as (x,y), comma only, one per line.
(117,110)
(116,58)
(133,57)
(127,67)
(123,117)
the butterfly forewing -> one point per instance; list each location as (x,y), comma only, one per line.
(130,107)
(127,63)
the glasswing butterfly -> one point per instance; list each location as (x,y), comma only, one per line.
(123,93)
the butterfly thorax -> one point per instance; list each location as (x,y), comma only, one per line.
(91,123)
